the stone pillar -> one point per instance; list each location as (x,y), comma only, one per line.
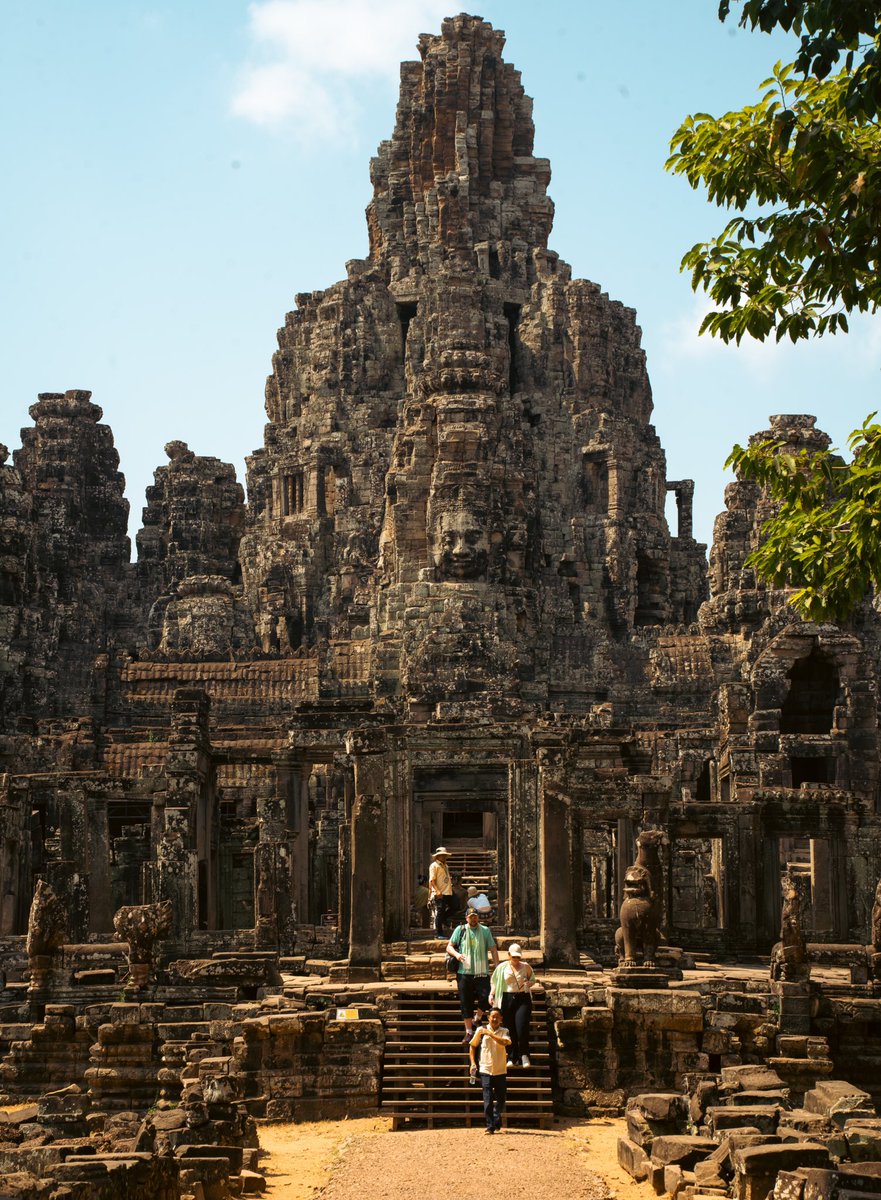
(520,854)
(558,931)
(293,785)
(821,886)
(100,894)
(365,922)
(14,857)
(273,909)
(344,876)
(186,846)
(368,749)
(176,873)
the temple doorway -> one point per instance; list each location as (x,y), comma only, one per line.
(818,872)
(466,810)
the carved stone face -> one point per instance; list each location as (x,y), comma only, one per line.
(637,884)
(462,546)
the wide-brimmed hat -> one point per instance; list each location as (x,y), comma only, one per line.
(514,950)
(472,891)
(441,852)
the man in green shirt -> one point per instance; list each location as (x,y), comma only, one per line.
(474,946)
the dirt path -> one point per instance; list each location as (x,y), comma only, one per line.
(351,1160)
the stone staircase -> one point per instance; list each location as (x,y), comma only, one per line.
(425,1067)
(478,868)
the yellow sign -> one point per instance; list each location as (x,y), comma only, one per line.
(347,1014)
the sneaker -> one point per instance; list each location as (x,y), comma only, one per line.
(524,1061)
(510,1062)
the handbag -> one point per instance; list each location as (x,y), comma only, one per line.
(451,963)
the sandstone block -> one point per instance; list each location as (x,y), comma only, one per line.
(633,1159)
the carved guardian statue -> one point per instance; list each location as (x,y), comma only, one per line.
(789,958)
(636,941)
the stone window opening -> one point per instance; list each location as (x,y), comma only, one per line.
(813,769)
(406,313)
(704,790)
(512,315)
(292,494)
(683,492)
(809,706)
(650,592)
(328,497)
(595,481)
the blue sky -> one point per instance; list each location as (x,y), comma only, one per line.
(175,172)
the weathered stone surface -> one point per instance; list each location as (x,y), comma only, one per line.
(838,1100)
(633,1159)
(681,1149)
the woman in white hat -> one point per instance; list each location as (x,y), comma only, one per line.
(440,890)
(510,988)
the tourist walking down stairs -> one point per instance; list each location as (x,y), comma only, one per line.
(473,945)
(493,1040)
(510,988)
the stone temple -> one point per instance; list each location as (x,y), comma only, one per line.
(448,608)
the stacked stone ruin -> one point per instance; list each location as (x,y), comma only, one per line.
(447,607)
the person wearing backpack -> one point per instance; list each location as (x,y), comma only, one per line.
(475,947)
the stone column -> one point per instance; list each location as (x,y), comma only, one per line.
(100,895)
(344,877)
(821,886)
(187,832)
(368,749)
(273,914)
(365,922)
(14,857)
(558,931)
(176,874)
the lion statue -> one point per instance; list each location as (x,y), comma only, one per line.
(636,941)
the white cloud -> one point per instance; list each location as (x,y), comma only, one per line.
(309,58)
(679,343)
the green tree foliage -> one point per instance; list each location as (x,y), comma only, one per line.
(800,171)
(825,541)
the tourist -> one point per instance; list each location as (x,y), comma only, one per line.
(493,1040)
(480,902)
(473,945)
(420,902)
(460,899)
(440,889)
(511,984)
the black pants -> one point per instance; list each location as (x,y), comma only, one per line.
(443,906)
(472,988)
(516,1016)
(495,1093)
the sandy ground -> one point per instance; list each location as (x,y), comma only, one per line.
(345,1160)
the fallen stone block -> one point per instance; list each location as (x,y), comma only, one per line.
(750,1078)
(762,1117)
(756,1167)
(633,1159)
(839,1100)
(863,1138)
(252,1182)
(681,1149)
